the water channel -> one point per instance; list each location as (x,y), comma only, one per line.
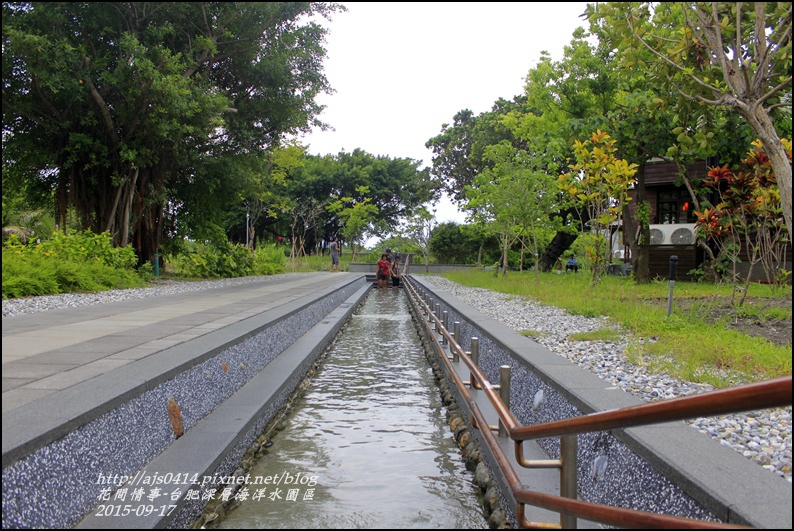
(367,445)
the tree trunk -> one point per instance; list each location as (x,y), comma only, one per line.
(147,219)
(111,218)
(127,212)
(521,261)
(637,233)
(535,254)
(631,234)
(505,247)
(642,270)
(780,163)
(762,124)
(710,269)
(561,242)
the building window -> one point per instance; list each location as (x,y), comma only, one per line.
(674,206)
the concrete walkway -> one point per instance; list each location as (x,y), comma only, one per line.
(47,355)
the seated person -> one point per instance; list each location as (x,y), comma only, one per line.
(572,265)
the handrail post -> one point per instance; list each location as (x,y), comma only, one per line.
(504,394)
(445,322)
(475,360)
(456,335)
(568,479)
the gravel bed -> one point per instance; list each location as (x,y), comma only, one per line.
(762,436)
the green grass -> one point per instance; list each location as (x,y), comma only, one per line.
(688,344)
(764,314)
(309,264)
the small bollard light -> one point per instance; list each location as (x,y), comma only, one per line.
(671,276)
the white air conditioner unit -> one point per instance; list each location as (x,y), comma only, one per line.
(677,234)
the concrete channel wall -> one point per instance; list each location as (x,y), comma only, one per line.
(668,468)
(231,383)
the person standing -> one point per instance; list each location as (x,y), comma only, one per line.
(334,248)
(395,272)
(384,269)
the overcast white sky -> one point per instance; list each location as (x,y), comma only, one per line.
(403,69)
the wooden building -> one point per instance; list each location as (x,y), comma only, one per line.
(672,219)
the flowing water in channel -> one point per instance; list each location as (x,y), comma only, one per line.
(367,446)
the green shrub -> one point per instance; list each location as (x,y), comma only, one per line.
(73,277)
(146,271)
(25,276)
(108,277)
(195,261)
(371,257)
(82,262)
(236,261)
(87,246)
(213,260)
(269,260)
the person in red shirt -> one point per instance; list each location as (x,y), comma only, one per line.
(384,269)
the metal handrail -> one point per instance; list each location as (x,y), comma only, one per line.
(481,380)
(772,393)
(762,395)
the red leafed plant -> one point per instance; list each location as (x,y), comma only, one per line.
(748,217)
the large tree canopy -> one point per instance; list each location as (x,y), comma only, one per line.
(458,152)
(396,186)
(594,87)
(127,110)
(728,54)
